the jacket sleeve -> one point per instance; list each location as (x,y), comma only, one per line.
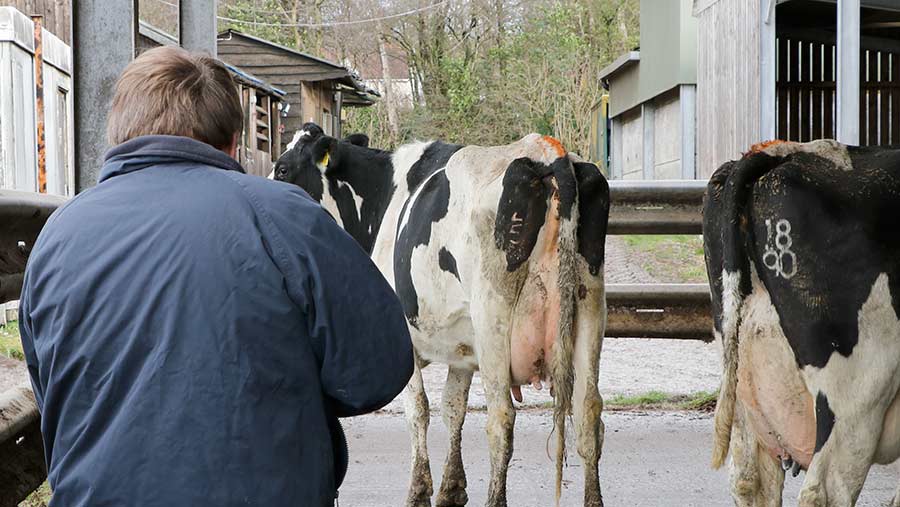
(27,336)
(357,326)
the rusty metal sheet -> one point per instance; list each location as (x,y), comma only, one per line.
(656,207)
(675,311)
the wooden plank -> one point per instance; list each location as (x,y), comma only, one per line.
(863,99)
(782,89)
(829,93)
(817,92)
(793,91)
(804,77)
(884,118)
(872,98)
(895,99)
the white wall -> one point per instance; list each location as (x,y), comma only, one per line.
(665,118)
(632,145)
(667,138)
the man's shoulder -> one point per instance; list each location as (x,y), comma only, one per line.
(265,192)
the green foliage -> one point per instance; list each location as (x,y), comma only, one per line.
(488,72)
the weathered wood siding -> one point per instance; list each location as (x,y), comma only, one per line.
(727,82)
(57,15)
(307,98)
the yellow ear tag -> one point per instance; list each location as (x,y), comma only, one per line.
(324,163)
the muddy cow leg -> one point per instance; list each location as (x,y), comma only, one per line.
(586,401)
(756,478)
(492,349)
(417,415)
(453,408)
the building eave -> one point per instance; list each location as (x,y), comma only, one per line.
(621,63)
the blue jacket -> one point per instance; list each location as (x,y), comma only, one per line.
(190,328)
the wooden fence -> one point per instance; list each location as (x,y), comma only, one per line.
(806,93)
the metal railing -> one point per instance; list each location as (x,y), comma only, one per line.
(678,311)
(22,467)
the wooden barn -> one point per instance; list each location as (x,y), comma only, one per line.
(36,108)
(317,90)
(262,103)
(795,70)
(56,14)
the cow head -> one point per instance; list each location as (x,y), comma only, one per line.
(307,159)
(353,183)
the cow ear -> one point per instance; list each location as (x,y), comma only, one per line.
(593,214)
(521,211)
(324,152)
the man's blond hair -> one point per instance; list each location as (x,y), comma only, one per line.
(170,91)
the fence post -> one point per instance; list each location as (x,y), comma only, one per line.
(767,73)
(103,42)
(848,81)
(197,25)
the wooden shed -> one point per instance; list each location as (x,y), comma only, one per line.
(317,89)
(56,14)
(796,70)
(262,103)
(36,110)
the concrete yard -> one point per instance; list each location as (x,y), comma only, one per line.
(650,459)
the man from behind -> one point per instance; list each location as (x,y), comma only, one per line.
(191,331)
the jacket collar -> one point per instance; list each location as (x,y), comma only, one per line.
(145,151)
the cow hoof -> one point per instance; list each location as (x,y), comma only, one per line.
(593,500)
(457,498)
(812,496)
(418,501)
(419,495)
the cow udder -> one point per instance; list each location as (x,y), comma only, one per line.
(535,322)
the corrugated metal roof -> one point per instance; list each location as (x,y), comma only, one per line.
(254,81)
(356,92)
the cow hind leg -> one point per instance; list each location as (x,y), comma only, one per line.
(420,487)
(454,403)
(493,349)
(838,470)
(586,401)
(757,479)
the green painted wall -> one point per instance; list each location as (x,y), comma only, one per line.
(668,55)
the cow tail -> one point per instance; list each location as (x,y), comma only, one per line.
(562,370)
(736,286)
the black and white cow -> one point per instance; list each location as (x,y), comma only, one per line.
(803,254)
(497,257)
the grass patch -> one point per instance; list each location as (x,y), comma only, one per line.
(670,258)
(703,401)
(40,498)
(11,342)
(642,400)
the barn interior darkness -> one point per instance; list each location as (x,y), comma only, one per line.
(806,57)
